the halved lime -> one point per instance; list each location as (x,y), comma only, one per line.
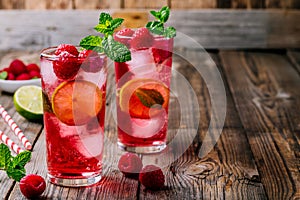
(28,102)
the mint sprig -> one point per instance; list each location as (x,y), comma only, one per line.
(113,49)
(3,75)
(158,26)
(14,166)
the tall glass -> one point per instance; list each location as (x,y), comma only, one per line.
(74,92)
(143,94)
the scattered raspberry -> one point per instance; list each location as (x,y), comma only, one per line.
(23,76)
(152,177)
(130,165)
(123,36)
(142,38)
(160,55)
(34,74)
(91,62)
(32,67)
(68,48)
(67,65)
(17,67)
(32,185)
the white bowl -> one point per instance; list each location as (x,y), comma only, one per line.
(12,85)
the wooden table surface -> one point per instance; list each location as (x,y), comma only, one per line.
(256,156)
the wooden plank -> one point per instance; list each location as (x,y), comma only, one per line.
(295,59)
(144,4)
(12,4)
(210,28)
(265,89)
(132,18)
(193,4)
(95,4)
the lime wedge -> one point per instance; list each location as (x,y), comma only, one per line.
(28,102)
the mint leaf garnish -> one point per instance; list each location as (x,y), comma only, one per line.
(114,50)
(92,42)
(14,166)
(3,75)
(157,27)
(149,97)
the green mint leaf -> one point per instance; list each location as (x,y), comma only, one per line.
(21,159)
(104,17)
(5,156)
(164,14)
(115,50)
(92,43)
(103,28)
(16,173)
(115,23)
(3,75)
(155,14)
(170,32)
(156,27)
(149,97)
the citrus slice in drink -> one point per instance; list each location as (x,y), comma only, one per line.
(76,102)
(143,98)
(28,102)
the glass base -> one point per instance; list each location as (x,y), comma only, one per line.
(74,182)
(143,149)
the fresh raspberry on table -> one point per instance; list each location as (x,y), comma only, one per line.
(130,165)
(123,36)
(17,67)
(32,185)
(152,177)
(23,76)
(67,65)
(141,38)
(10,76)
(33,67)
(68,48)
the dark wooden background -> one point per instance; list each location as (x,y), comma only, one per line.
(177,4)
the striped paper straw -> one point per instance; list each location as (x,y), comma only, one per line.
(18,132)
(10,143)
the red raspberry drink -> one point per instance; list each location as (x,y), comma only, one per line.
(74,91)
(143,91)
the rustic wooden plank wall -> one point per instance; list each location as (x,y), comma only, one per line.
(177,4)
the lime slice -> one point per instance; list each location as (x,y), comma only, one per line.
(28,102)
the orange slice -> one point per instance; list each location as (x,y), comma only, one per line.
(143,98)
(76,102)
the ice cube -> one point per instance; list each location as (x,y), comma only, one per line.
(89,145)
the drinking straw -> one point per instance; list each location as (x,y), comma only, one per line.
(14,127)
(10,143)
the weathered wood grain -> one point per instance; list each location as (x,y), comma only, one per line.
(295,59)
(145,4)
(132,19)
(265,90)
(210,28)
(12,4)
(190,4)
(95,4)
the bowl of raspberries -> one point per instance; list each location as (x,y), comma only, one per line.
(18,74)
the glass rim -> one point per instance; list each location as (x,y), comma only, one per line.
(156,37)
(45,53)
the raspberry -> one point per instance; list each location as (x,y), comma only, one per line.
(130,165)
(152,177)
(160,55)
(32,67)
(34,74)
(10,76)
(32,185)
(67,66)
(91,62)
(123,36)
(68,48)
(17,67)
(23,76)
(142,38)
